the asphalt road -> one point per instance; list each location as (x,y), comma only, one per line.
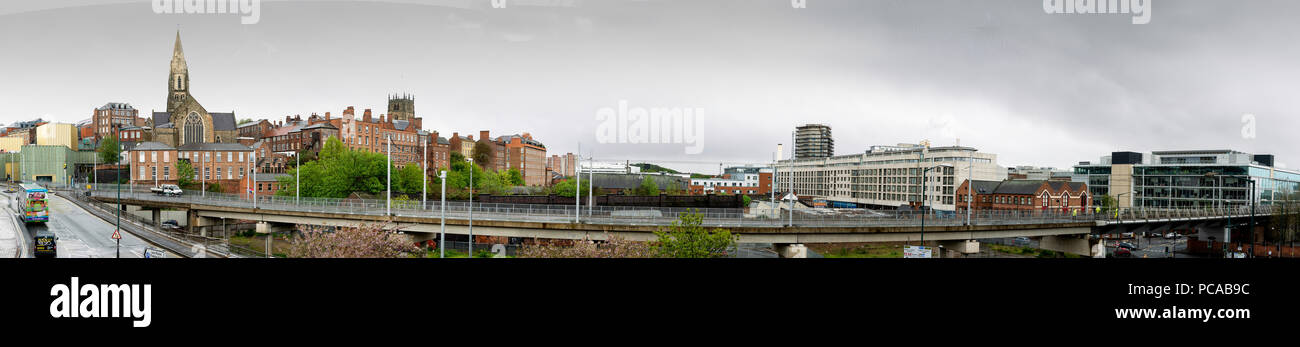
(82,235)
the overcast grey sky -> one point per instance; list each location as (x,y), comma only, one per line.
(1003,76)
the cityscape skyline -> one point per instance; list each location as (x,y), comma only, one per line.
(1099,100)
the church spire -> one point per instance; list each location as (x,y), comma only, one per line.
(178,80)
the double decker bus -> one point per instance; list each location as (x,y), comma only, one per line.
(32,204)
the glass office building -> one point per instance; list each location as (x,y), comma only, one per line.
(1188,179)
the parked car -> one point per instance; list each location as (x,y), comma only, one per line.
(1122,253)
(167,190)
(1127,245)
(1021,241)
(46,244)
(171,224)
(1127,235)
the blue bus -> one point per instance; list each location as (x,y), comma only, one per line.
(33,206)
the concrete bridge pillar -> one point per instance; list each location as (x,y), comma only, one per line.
(157,218)
(963,246)
(790,250)
(1073,244)
(1220,233)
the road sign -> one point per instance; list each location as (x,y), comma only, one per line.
(916,252)
(117,235)
(154,253)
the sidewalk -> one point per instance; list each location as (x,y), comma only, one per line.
(9,230)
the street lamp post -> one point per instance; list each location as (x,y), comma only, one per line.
(1252,216)
(442,222)
(577,189)
(424,171)
(388,202)
(297,174)
(471,207)
(923,199)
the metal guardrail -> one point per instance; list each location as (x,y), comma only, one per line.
(182,245)
(663,216)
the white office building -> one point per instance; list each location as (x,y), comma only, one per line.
(889,177)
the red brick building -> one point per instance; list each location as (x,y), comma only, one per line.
(1026,195)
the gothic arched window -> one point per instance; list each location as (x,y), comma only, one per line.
(193,128)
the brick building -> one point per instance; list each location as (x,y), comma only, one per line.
(1027,195)
(107,120)
(528,156)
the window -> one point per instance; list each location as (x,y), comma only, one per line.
(141,157)
(207,173)
(167,172)
(153,156)
(153,172)
(167,157)
(218,173)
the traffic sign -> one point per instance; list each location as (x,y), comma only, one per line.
(154,253)
(917,252)
(117,235)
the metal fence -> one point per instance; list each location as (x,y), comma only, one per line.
(662,216)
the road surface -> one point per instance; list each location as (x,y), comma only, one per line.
(82,235)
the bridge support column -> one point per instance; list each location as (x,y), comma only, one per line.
(790,250)
(1221,234)
(157,218)
(963,246)
(1074,244)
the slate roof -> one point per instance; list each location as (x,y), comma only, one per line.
(214,147)
(151,146)
(269,177)
(632,181)
(220,121)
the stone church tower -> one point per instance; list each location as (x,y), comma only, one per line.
(186,121)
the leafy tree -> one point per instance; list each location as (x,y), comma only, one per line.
(482,154)
(565,188)
(185,175)
(457,157)
(408,180)
(513,177)
(245,121)
(647,188)
(214,187)
(110,151)
(686,238)
(366,241)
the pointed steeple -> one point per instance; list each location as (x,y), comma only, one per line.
(178,56)
(178,80)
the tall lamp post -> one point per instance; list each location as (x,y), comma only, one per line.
(1252,216)
(923,199)
(442,222)
(297,174)
(388,202)
(471,207)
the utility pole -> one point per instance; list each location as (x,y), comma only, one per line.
(591,192)
(792,196)
(297,174)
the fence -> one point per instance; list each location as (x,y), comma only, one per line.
(662,216)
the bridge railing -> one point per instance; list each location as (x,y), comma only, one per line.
(634,215)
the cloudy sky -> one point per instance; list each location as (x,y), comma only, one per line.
(1003,76)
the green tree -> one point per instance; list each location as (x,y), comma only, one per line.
(409,179)
(110,151)
(513,177)
(565,188)
(482,154)
(687,238)
(214,187)
(647,188)
(185,175)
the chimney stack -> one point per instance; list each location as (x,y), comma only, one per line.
(483,135)
(365,117)
(287,119)
(381,118)
(349,112)
(327,115)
